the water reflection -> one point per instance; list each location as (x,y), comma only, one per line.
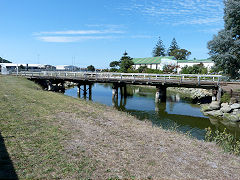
(177,111)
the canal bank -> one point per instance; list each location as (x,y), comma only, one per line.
(48,135)
(179,110)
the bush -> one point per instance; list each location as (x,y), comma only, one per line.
(169,68)
(225,98)
(195,69)
(226,140)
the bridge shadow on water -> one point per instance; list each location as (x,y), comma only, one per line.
(7,170)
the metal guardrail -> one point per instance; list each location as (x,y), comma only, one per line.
(125,76)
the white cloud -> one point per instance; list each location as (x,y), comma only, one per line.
(111,31)
(176,12)
(65,39)
(80,32)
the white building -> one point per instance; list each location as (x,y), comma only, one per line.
(159,62)
(11,67)
(66,68)
(154,62)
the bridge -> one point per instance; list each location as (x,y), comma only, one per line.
(51,80)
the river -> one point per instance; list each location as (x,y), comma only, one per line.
(178,112)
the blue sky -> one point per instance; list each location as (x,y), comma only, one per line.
(84,32)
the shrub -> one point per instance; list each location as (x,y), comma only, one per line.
(226,140)
(195,69)
(225,98)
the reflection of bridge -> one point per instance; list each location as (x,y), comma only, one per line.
(51,80)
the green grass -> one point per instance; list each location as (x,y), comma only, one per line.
(35,143)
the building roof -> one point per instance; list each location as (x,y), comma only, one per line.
(151,60)
(196,61)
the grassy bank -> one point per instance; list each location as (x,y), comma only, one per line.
(49,135)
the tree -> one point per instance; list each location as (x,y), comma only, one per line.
(195,69)
(4,60)
(91,68)
(124,63)
(159,49)
(114,64)
(169,68)
(142,69)
(173,46)
(180,54)
(224,48)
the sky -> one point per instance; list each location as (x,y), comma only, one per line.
(96,32)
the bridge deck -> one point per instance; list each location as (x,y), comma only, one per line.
(169,80)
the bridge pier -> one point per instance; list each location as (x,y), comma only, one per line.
(115,91)
(161,93)
(85,91)
(217,94)
(49,86)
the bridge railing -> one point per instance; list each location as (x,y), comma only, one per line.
(126,76)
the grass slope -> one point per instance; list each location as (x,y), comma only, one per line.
(48,135)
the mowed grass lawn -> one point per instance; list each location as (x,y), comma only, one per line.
(46,135)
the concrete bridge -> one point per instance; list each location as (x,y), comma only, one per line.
(56,79)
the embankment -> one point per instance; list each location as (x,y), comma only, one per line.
(48,135)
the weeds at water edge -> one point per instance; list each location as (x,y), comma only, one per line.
(226,140)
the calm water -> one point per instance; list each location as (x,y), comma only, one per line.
(177,112)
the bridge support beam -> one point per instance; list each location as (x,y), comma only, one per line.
(85,91)
(79,90)
(219,94)
(115,91)
(161,94)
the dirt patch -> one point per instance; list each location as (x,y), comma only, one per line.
(125,147)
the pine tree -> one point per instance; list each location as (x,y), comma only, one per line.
(159,49)
(173,46)
(125,62)
(225,46)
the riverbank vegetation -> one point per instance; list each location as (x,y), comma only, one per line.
(226,140)
(49,135)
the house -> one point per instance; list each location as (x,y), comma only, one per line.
(66,68)
(160,62)
(154,62)
(13,67)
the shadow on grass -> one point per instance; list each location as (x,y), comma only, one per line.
(6,166)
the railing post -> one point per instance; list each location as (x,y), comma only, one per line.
(198,80)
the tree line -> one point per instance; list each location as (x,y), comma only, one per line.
(125,63)
(173,50)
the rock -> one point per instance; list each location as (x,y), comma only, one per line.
(224,104)
(215,105)
(233,118)
(226,109)
(205,108)
(233,100)
(237,111)
(235,106)
(217,113)
(209,113)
